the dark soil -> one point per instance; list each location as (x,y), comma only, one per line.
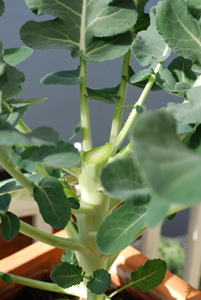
(34,294)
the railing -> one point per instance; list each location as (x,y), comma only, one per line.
(192,267)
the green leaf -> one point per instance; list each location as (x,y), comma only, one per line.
(12,184)
(108,95)
(149,276)
(141,84)
(194,7)
(68,256)
(52,201)
(143,20)
(156,205)
(16,115)
(40,136)
(149,45)
(182,88)
(171,168)
(10,83)
(171,217)
(119,229)
(184,35)
(22,102)
(17,160)
(5,200)
(181,70)
(14,56)
(98,30)
(1,52)
(100,282)
(195,140)
(63,77)
(141,75)
(125,106)
(74,203)
(123,179)
(187,112)
(62,155)
(66,275)
(2,7)
(165,79)
(76,130)
(10,226)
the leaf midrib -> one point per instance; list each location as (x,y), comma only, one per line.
(185,28)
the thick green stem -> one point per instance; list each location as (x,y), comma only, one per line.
(59,242)
(15,172)
(118,113)
(84,108)
(127,126)
(79,291)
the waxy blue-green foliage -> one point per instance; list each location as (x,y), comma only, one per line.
(161,171)
(97,30)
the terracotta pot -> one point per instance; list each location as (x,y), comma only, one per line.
(37,260)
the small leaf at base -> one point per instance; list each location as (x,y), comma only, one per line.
(100,282)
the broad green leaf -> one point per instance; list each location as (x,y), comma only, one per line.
(149,276)
(63,77)
(149,45)
(119,229)
(16,115)
(5,200)
(195,140)
(74,203)
(165,79)
(6,277)
(63,155)
(140,84)
(100,282)
(52,201)
(17,160)
(143,20)
(2,7)
(123,179)
(69,257)
(66,275)
(10,83)
(156,205)
(172,169)
(12,184)
(14,56)
(184,35)
(182,88)
(108,95)
(194,7)
(10,226)
(40,136)
(181,70)
(98,30)
(141,75)
(187,112)
(22,102)
(76,130)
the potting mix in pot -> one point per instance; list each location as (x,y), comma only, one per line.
(125,187)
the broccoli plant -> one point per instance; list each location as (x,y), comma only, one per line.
(124,190)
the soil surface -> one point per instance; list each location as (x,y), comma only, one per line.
(28,293)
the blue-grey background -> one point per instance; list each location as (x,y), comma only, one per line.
(61,110)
